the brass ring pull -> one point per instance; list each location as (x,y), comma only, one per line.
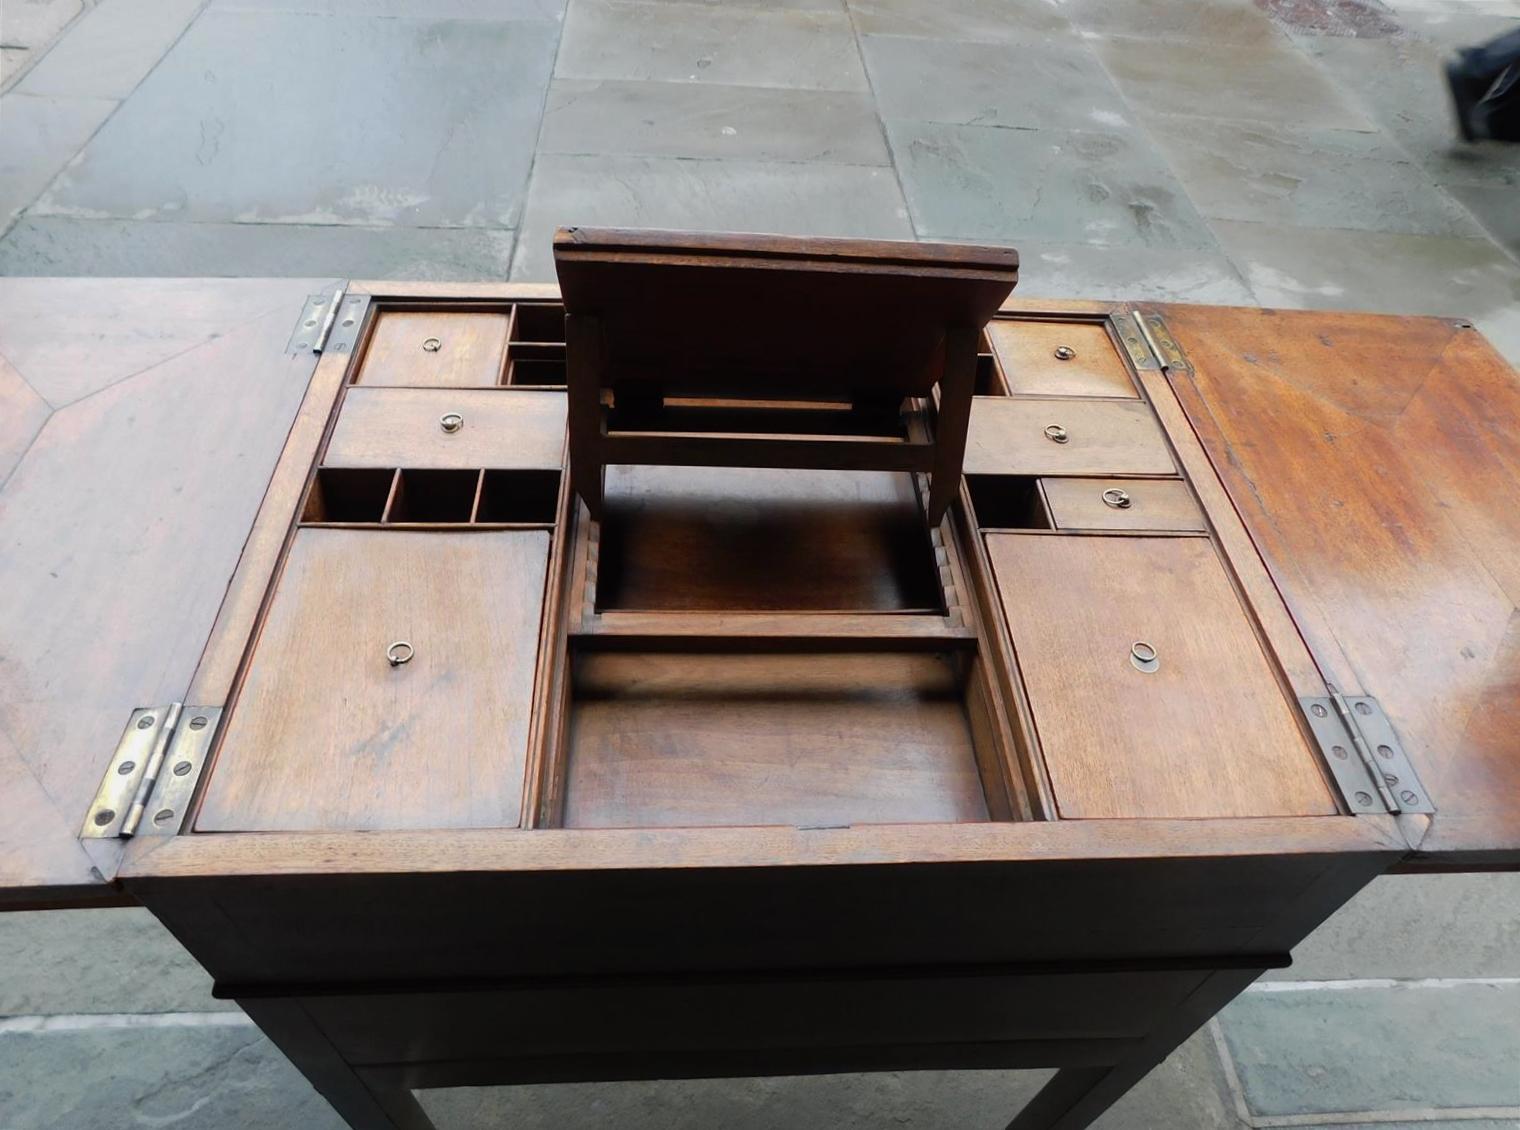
(1143,657)
(1055,433)
(451,422)
(431,345)
(1118,499)
(1065,353)
(399,652)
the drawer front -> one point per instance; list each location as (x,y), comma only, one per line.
(327,734)
(1122,504)
(1014,436)
(1059,359)
(758,1014)
(1202,728)
(436,348)
(405,427)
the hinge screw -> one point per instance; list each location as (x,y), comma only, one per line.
(104,817)
(1385,751)
(145,721)
(1339,751)
(1318,710)
(1409,796)
(126,767)
(1364,798)
(163,816)
(182,768)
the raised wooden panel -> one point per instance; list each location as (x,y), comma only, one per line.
(1122,504)
(403,427)
(1374,461)
(435,347)
(327,734)
(1008,436)
(1040,358)
(1208,732)
(669,740)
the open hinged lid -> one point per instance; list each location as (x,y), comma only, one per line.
(139,423)
(1375,462)
(681,345)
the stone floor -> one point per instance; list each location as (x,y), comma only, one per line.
(1287,152)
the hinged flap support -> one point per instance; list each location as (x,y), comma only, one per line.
(1364,754)
(1150,344)
(329,323)
(152,776)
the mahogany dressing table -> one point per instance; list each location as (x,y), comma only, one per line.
(943,680)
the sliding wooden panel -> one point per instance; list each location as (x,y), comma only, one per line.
(1150,692)
(327,734)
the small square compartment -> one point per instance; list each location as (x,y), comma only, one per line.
(763,540)
(683,740)
(1008,502)
(989,382)
(540,365)
(348,494)
(518,497)
(543,322)
(432,497)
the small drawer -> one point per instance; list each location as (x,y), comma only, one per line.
(1122,504)
(1052,436)
(424,348)
(1059,359)
(443,428)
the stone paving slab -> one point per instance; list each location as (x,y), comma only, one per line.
(1125,274)
(1030,85)
(658,192)
(678,42)
(980,21)
(1201,21)
(38,136)
(1017,186)
(59,245)
(1240,81)
(1342,1048)
(1305,176)
(112,49)
(453,109)
(29,26)
(683,119)
(407,9)
(222,1075)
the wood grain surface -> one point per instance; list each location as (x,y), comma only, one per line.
(1153,504)
(122,523)
(471,349)
(1026,351)
(1104,437)
(327,735)
(399,427)
(1375,462)
(667,740)
(1208,733)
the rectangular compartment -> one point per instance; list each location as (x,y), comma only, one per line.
(760,540)
(433,497)
(518,496)
(1122,504)
(536,364)
(1043,358)
(989,382)
(541,321)
(1150,691)
(458,349)
(348,494)
(1007,502)
(327,735)
(407,427)
(1014,435)
(669,740)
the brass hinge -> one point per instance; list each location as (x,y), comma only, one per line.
(1150,343)
(152,776)
(1364,754)
(329,323)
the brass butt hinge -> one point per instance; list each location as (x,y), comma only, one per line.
(1364,754)
(152,776)
(329,323)
(1150,344)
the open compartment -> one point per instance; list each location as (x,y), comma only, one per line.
(539,322)
(518,497)
(762,540)
(348,494)
(432,496)
(1008,502)
(671,740)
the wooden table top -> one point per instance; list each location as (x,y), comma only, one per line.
(1373,460)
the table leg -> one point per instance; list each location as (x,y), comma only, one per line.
(365,1102)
